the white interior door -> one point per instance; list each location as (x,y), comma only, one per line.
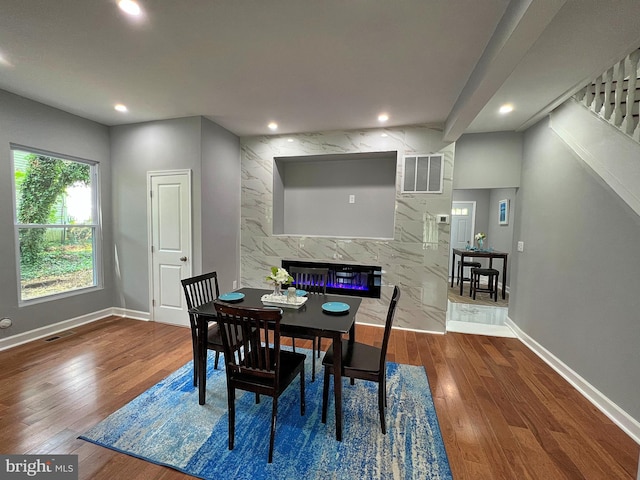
(463,216)
(170,211)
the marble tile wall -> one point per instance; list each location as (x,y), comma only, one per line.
(416,259)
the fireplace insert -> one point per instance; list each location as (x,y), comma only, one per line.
(346,279)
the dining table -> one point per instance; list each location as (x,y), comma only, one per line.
(308,319)
(476,253)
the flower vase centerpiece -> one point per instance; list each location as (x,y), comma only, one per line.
(480,237)
(278,277)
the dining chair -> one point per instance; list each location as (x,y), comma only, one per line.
(314,281)
(199,290)
(254,360)
(364,362)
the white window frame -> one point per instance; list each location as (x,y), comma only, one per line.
(429,158)
(98,281)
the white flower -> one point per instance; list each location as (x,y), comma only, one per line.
(279,275)
(480,236)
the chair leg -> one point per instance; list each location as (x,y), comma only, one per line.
(313,361)
(274,413)
(231,400)
(293,343)
(215,365)
(325,394)
(319,345)
(195,369)
(195,363)
(382,397)
(303,406)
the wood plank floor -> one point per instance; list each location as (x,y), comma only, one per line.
(504,414)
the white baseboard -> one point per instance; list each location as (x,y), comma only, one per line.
(618,416)
(54,328)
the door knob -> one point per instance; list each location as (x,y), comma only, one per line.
(183,259)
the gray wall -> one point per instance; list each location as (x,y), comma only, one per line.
(501,236)
(135,150)
(220,203)
(316,197)
(212,154)
(488,160)
(33,124)
(576,283)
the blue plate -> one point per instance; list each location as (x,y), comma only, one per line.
(231,297)
(301,293)
(335,307)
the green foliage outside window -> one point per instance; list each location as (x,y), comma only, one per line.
(46,179)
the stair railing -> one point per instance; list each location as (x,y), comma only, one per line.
(614,95)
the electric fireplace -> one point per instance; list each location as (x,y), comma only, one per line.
(346,279)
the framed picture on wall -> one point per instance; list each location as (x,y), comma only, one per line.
(503,212)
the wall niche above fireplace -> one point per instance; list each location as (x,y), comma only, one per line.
(339,195)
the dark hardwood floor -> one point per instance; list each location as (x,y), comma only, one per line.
(504,414)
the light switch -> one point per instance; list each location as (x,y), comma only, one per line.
(521,246)
(352,199)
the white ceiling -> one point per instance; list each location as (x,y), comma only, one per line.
(312,65)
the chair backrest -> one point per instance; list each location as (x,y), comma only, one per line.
(311,279)
(387,326)
(251,339)
(199,290)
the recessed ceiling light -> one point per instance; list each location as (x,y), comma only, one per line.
(290,140)
(273,126)
(383,117)
(130,7)
(4,61)
(121,108)
(506,108)
(384,135)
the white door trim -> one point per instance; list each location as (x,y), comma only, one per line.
(150,175)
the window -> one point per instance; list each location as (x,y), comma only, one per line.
(57,225)
(423,174)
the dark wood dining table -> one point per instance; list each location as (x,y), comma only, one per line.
(490,254)
(310,319)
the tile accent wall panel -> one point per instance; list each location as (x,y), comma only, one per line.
(416,259)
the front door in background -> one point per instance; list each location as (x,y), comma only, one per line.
(463,216)
(170,211)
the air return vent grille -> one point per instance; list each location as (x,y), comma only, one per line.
(422,174)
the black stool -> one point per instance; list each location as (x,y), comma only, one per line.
(461,266)
(492,282)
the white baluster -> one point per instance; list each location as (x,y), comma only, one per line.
(617,109)
(579,96)
(607,106)
(589,95)
(597,105)
(628,123)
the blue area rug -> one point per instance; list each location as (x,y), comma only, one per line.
(165,425)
